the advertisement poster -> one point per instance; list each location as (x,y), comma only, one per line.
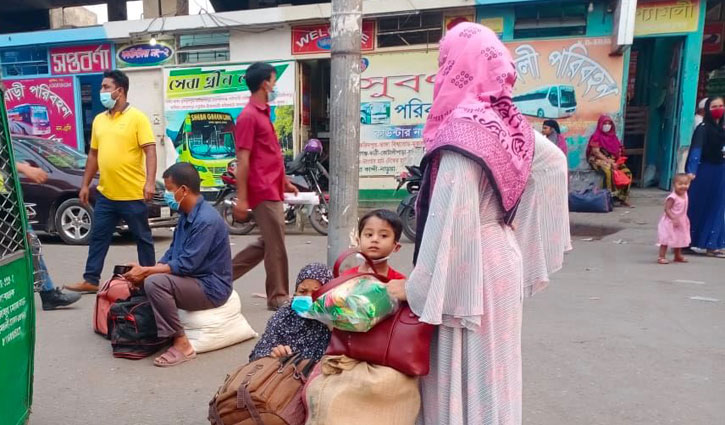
(396,95)
(573,81)
(201,106)
(43,107)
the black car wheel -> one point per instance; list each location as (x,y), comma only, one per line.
(73,222)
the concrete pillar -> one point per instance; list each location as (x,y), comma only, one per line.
(168,8)
(117,10)
(69,17)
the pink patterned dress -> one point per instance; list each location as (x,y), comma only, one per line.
(667,233)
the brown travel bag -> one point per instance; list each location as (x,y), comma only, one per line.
(264,392)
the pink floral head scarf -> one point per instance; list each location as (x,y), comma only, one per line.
(473,113)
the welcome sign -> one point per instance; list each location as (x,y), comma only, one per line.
(310,39)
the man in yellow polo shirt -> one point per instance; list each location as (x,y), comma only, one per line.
(123,151)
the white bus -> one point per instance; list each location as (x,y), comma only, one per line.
(548,102)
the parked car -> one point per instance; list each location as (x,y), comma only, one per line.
(59,211)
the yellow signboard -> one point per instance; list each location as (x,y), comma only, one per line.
(666,17)
(495,24)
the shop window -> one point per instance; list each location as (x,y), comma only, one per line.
(27,61)
(552,20)
(203,48)
(408,30)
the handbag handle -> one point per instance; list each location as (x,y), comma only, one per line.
(336,273)
(344,256)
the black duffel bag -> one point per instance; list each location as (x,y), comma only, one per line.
(132,327)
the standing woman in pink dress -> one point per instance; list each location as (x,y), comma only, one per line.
(469,275)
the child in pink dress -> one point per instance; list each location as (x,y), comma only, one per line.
(674,227)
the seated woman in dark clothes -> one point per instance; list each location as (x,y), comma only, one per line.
(287,332)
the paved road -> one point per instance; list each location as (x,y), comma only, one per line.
(616,339)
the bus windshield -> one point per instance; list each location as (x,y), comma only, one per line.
(39,114)
(211,145)
(209,135)
(567,98)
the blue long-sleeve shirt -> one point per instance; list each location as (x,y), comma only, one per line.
(200,249)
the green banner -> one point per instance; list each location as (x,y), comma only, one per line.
(194,82)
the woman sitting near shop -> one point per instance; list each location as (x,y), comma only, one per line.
(605,153)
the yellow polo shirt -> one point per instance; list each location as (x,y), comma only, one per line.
(119,140)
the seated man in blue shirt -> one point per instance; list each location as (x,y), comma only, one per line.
(196,271)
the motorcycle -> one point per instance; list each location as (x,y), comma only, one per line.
(224,202)
(411,179)
(306,172)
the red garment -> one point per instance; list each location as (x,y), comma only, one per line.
(392,273)
(254,132)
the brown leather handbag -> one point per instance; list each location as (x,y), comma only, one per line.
(400,341)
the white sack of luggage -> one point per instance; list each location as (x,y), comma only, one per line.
(217,328)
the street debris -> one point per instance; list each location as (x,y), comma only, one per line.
(706,299)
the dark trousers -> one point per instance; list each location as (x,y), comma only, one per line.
(168,293)
(269,247)
(106,216)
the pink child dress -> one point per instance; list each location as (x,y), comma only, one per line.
(668,234)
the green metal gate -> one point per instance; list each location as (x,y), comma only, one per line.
(17,312)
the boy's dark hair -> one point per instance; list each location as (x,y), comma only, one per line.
(184,174)
(119,78)
(386,215)
(258,73)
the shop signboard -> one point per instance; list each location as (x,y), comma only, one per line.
(495,24)
(666,17)
(43,107)
(144,54)
(201,106)
(80,59)
(571,80)
(310,39)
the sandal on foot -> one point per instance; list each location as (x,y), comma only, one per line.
(663,261)
(173,357)
(681,260)
(716,254)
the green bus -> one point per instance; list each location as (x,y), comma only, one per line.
(206,141)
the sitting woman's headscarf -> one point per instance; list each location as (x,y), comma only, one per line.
(286,327)
(473,115)
(555,136)
(605,140)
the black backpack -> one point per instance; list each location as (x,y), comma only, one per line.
(132,327)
